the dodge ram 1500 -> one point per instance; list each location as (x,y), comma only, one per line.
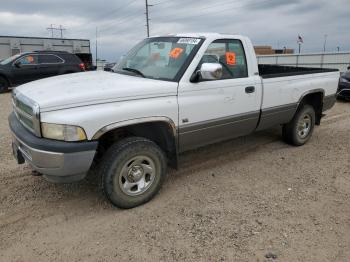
(169,94)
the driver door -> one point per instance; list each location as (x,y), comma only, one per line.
(26,69)
(216,110)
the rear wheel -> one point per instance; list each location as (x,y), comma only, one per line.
(132,172)
(298,131)
(3,85)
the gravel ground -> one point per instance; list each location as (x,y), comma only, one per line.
(250,199)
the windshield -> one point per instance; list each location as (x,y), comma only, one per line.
(9,60)
(161,58)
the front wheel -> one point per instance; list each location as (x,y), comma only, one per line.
(299,130)
(3,85)
(132,172)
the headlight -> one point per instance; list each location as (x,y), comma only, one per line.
(343,80)
(62,132)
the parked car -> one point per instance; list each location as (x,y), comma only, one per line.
(344,86)
(168,95)
(108,67)
(26,67)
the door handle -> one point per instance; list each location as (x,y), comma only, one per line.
(250,89)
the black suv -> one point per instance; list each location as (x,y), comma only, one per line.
(344,86)
(26,67)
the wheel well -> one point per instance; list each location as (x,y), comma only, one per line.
(7,80)
(160,133)
(316,101)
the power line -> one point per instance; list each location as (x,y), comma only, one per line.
(211,13)
(198,9)
(128,18)
(132,16)
(118,9)
(122,20)
(162,2)
(104,15)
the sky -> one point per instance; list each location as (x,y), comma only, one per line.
(121,24)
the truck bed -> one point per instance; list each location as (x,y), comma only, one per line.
(272,71)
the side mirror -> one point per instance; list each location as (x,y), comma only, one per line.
(18,64)
(210,71)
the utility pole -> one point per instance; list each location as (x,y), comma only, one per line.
(61,29)
(96,48)
(300,41)
(325,43)
(147,17)
(52,29)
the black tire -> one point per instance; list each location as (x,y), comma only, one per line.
(121,157)
(293,133)
(4,85)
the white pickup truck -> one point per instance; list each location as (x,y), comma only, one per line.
(169,94)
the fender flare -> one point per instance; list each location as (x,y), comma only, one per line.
(135,121)
(312,91)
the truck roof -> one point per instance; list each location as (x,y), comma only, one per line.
(205,35)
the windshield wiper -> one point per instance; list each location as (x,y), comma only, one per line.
(134,71)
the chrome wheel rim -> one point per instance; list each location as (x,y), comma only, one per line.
(304,126)
(137,175)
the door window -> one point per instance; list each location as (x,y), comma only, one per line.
(230,55)
(29,60)
(49,59)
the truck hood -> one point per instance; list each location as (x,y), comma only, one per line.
(81,89)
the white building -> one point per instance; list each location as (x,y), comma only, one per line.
(11,45)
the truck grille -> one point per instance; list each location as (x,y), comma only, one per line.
(27,112)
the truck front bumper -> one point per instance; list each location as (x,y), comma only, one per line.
(58,161)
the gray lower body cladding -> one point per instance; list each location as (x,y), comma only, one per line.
(328,102)
(192,136)
(208,132)
(276,115)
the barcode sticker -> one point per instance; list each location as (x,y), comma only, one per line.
(189,41)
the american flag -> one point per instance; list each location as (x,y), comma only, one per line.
(300,39)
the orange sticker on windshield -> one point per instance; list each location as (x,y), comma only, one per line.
(176,52)
(230,58)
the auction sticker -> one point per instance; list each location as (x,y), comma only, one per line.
(176,52)
(231,58)
(189,41)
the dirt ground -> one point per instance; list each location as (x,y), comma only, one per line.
(250,199)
